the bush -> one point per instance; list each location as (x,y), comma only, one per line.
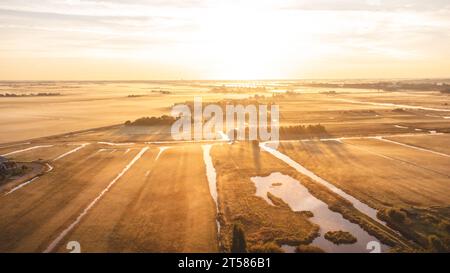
(314,130)
(397,215)
(340,237)
(308,249)
(150,121)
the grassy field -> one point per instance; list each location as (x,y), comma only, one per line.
(428,99)
(84,105)
(429,162)
(435,143)
(33,215)
(152,209)
(385,177)
(163,203)
(370,176)
(149,209)
(262,223)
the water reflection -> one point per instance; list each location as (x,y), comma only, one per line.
(292,192)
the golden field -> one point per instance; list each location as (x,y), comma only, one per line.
(116,188)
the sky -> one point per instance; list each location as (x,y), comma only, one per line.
(236,40)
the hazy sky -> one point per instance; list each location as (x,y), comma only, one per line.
(190,39)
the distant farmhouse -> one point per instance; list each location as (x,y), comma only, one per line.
(7,166)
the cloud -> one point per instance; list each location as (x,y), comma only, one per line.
(208,33)
(367,5)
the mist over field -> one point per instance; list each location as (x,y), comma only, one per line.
(224,127)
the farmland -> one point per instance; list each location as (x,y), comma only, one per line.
(380,174)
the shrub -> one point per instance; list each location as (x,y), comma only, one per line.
(396,215)
(150,121)
(340,237)
(314,130)
(308,249)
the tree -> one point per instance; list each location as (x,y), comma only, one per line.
(238,244)
(397,215)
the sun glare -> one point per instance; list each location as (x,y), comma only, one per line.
(247,43)
(252,39)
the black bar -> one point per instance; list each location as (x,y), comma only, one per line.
(226,262)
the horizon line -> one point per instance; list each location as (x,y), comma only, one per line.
(239,80)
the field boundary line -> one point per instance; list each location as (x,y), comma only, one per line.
(71,151)
(412,146)
(66,231)
(27,149)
